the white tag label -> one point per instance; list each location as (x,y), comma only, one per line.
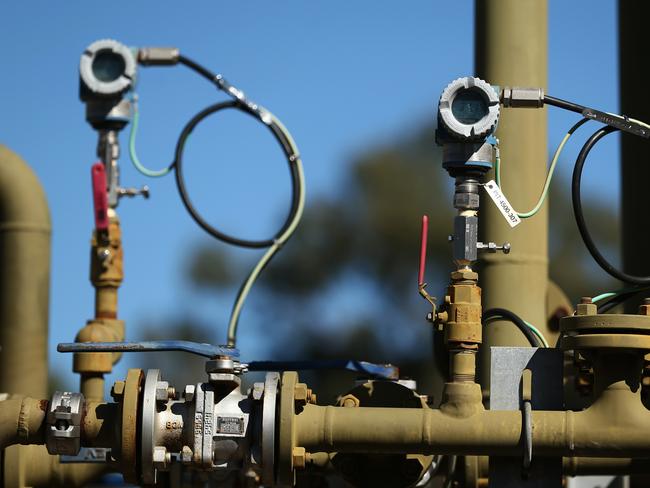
(502,203)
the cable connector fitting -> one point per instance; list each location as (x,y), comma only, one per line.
(158,56)
(517,97)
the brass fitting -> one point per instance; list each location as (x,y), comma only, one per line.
(99,330)
(464,315)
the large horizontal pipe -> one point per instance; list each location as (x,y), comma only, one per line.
(595,432)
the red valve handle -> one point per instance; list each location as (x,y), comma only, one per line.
(423,249)
(100,196)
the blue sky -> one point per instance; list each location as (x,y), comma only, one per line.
(342,76)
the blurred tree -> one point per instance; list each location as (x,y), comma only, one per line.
(345,285)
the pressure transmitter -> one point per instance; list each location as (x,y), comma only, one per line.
(107,71)
(468,114)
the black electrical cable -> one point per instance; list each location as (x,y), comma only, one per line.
(505,314)
(566,105)
(620,299)
(178,164)
(580,220)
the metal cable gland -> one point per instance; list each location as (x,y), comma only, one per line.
(469,109)
(63,423)
(107,68)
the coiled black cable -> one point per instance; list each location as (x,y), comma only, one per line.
(277,132)
(282,135)
(182,190)
(510,316)
(580,219)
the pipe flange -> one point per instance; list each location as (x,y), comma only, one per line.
(129,456)
(605,331)
(269,404)
(151,384)
(63,432)
(286,430)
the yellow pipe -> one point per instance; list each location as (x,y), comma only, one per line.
(22,421)
(612,427)
(35,468)
(24,278)
(511,49)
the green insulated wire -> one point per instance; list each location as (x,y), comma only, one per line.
(534,329)
(537,332)
(611,294)
(135,120)
(279,242)
(549,176)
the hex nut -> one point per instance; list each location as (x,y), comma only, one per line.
(466,200)
(349,401)
(300,394)
(188,394)
(162,391)
(299,457)
(117,390)
(161,457)
(186,455)
(464,275)
(586,309)
(258,391)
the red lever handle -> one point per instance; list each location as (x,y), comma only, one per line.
(423,249)
(100,196)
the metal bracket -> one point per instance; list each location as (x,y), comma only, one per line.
(63,423)
(88,455)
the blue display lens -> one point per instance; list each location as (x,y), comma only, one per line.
(108,66)
(469,106)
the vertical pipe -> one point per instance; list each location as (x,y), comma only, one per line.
(511,49)
(24,278)
(635,151)
(635,171)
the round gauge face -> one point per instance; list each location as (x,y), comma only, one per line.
(108,66)
(469,106)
